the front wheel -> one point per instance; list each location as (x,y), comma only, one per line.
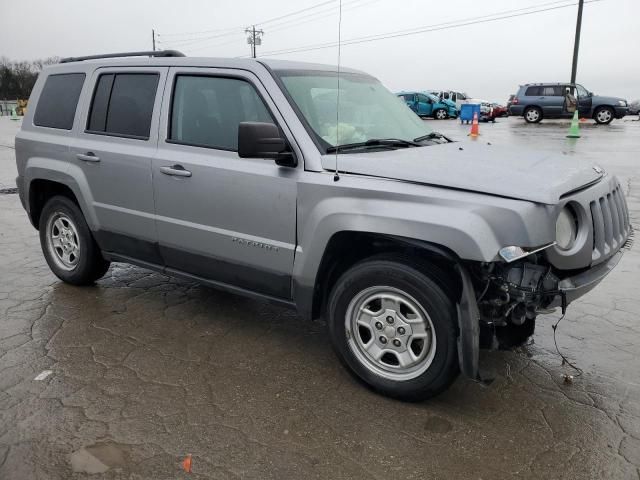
(394,328)
(603,115)
(67,243)
(440,114)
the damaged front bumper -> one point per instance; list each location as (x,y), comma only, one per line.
(470,317)
(577,286)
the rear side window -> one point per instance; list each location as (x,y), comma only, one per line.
(206,111)
(58,101)
(123,104)
(555,91)
(533,91)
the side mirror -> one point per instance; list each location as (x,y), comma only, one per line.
(263,140)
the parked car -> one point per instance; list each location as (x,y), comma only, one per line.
(235,173)
(459,98)
(427,105)
(499,110)
(535,101)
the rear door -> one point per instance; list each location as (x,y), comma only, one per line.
(425,107)
(552,100)
(222,218)
(114,148)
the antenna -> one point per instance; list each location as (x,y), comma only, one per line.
(336,177)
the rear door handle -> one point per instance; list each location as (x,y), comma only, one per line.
(175,171)
(88,157)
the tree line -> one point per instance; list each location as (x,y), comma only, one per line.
(18,77)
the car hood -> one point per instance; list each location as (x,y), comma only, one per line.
(603,99)
(536,176)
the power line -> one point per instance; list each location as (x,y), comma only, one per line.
(313,7)
(429,28)
(318,15)
(220,31)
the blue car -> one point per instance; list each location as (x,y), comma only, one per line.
(428,105)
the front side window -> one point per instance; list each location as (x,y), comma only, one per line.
(123,104)
(367,109)
(58,101)
(423,98)
(206,111)
(582,92)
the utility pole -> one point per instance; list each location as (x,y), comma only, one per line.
(576,43)
(153,39)
(254,38)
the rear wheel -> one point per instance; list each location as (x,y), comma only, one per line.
(394,328)
(440,114)
(603,115)
(67,243)
(533,115)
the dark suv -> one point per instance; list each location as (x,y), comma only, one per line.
(535,101)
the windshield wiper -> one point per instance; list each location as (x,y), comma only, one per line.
(431,136)
(375,142)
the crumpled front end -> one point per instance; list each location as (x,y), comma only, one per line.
(510,294)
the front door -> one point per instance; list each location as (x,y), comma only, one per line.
(114,151)
(222,218)
(585,101)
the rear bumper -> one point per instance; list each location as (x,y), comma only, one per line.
(516,110)
(581,284)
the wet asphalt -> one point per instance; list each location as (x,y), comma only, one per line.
(141,370)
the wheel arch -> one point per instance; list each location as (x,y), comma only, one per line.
(40,191)
(348,247)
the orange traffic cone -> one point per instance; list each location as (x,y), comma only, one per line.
(475,128)
(186,463)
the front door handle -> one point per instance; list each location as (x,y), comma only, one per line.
(88,157)
(175,171)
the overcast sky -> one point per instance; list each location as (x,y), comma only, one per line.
(487,60)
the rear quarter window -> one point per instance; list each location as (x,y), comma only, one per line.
(58,101)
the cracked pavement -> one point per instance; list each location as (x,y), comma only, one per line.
(147,369)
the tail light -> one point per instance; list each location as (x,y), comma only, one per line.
(515,101)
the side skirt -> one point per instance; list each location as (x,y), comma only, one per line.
(116,257)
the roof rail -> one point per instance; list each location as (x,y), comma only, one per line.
(156,53)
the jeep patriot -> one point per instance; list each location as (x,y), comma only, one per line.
(264,178)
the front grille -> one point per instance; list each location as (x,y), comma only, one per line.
(610,223)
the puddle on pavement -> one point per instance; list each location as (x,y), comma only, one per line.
(438,425)
(98,458)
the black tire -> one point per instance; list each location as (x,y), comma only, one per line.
(89,263)
(440,114)
(532,114)
(395,271)
(604,115)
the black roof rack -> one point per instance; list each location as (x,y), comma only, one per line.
(156,53)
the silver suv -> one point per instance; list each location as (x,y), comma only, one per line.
(245,175)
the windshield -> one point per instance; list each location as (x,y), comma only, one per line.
(367,110)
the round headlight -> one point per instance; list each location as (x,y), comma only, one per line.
(566,228)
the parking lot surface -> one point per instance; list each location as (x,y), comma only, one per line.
(146,369)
